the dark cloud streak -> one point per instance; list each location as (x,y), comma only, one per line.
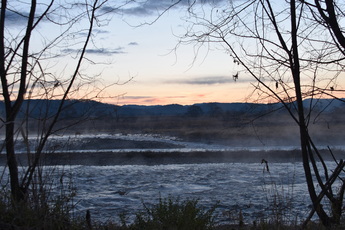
(16,18)
(154,7)
(204,81)
(97,51)
(133,44)
(99,31)
(149,99)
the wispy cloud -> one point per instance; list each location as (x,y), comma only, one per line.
(152,7)
(16,18)
(204,80)
(95,32)
(102,51)
(99,31)
(140,100)
(138,97)
(153,100)
(133,44)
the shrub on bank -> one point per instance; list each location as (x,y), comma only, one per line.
(48,204)
(171,213)
(26,215)
(167,214)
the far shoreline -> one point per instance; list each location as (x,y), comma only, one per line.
(147,157)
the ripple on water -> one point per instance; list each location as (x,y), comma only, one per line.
(110,190)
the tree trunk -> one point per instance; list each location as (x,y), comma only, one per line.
(16,191)
(304,137)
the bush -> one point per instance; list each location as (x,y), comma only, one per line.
(173,214)
(47,205)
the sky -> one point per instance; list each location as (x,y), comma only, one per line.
(159,73)
(139,57)
(145,65)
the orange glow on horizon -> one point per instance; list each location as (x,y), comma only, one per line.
(199,98)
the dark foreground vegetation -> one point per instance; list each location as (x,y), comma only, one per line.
(168,213)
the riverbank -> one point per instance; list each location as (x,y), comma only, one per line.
(103,158)
(151,149)
(142,157)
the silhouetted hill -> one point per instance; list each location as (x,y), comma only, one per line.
(71,109)
(74,109)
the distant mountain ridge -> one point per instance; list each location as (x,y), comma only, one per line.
(74,109)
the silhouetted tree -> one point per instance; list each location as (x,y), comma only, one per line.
(294,50)
(328,13)
(26,56)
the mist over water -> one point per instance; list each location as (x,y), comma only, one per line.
(141,142)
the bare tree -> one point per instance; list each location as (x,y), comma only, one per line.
(27,57)
(328,13)
(294,51)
